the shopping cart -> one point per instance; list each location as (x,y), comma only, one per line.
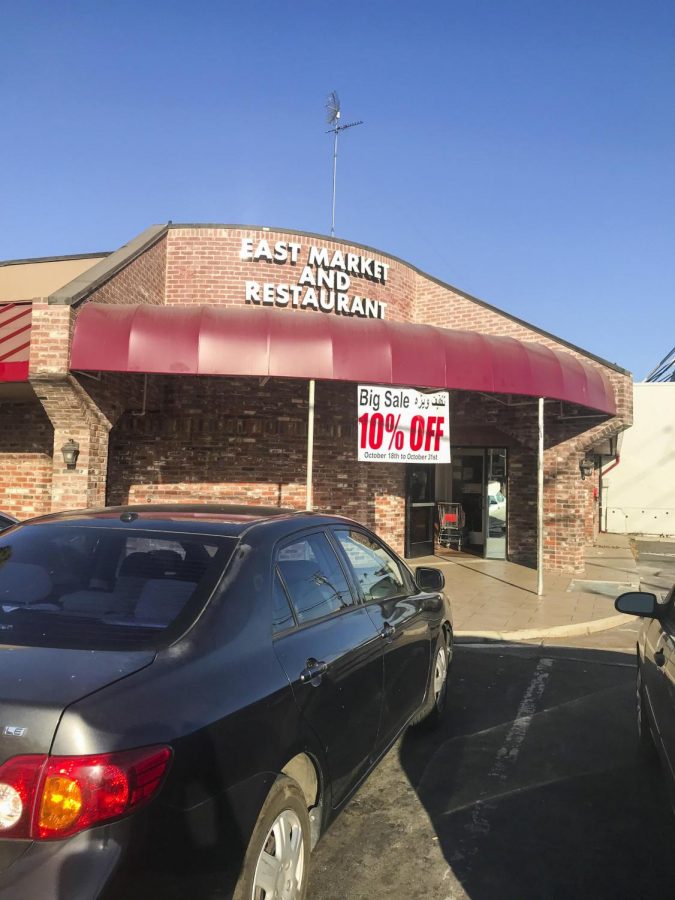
(451,525)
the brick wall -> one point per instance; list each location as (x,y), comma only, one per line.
(235,441)
(26,438)
(51,334)
(142,281)
(570,504)
(75,417)
(204,266)
(592,506)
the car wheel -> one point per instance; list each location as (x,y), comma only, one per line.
(646,744)
(276,862)
(437,692)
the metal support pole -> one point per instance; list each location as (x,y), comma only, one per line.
(332,221)
(540,501)
(310,446)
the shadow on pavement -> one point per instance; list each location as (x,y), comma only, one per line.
(533,784)
(478,570)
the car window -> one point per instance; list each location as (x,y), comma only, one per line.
(313,578)
(282,616)
(377,573)
(102,588)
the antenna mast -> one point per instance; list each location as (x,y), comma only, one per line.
(333,119)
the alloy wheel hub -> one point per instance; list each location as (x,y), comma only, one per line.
(280,868)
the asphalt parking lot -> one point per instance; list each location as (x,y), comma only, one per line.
(531,788)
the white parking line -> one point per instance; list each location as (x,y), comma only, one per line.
(508,752)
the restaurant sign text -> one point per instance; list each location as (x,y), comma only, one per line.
(324,281)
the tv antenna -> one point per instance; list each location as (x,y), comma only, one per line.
(333,119)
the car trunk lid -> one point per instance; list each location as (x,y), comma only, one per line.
(38,683)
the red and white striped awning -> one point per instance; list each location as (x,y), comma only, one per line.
(15,325)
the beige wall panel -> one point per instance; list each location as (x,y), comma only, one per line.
(23,281)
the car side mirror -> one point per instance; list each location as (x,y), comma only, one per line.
(429,579)
(637,603)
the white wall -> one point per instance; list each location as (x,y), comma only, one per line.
(638,496)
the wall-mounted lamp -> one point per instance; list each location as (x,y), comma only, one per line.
(70,450)
(586,467)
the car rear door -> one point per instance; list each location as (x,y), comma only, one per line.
(332,654)
(661,683)
(395,607)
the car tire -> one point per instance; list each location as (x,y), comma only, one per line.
(646,746)
(277,858)
(431,713)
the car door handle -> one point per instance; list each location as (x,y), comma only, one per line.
(388,632)
(660,658)
(315,669)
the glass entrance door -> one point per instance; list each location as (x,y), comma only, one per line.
(468,488)
(479,484)
(420,510)
(495,504)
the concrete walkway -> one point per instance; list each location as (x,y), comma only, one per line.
(494,599)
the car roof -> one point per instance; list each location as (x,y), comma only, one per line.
(205,518)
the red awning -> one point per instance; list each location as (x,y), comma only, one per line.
(210,340)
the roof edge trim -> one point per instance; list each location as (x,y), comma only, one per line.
(79,288)
(33,260)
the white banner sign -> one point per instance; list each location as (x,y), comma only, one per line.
(403,425)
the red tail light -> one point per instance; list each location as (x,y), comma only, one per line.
(53,797)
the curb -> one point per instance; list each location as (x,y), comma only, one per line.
(577,629)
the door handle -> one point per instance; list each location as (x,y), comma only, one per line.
(388,632)
(660,658)
(315,669)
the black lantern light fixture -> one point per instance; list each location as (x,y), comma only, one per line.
(586,467)
(70,450)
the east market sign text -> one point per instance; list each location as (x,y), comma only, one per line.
(323,284)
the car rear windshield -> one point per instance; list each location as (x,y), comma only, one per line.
(104,588)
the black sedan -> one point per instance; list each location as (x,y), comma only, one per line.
(189,695)
(655,675)
(6,520)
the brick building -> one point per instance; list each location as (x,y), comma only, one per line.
(179,364)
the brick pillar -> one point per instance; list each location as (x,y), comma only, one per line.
(76,417)
(565,509)
(72,412)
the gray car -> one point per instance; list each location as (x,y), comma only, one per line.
(655,686)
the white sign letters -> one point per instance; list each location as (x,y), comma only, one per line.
(324,281)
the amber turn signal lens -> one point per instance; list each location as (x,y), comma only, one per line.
(61,803)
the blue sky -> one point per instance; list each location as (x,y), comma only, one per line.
(523,151)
